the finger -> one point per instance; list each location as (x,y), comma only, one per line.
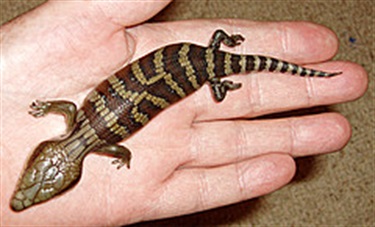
(266,93)
(130,13)
(222,142)
(208,188)
(120,13)
(300,42)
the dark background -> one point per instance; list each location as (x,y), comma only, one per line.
(333,189)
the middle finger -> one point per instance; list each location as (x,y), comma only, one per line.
(223,142)
(266,93)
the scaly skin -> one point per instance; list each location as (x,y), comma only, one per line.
(127,101)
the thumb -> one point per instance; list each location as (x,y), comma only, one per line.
(122,13)
(129,13)
(72,38)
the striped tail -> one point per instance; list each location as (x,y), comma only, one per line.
(262,63)
(221,64)
(234,64)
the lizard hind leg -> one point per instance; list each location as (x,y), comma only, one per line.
(220,88)
(221,36)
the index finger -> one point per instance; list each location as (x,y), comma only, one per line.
(298,42)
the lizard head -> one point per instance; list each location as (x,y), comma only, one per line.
(48,172)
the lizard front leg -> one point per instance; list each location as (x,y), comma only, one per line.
(66,108)
(122,154)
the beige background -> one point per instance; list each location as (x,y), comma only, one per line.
(334,189)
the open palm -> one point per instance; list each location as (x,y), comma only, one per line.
(195,155)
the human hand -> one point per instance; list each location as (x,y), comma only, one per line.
(208,154)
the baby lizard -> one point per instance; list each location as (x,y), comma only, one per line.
(124,103)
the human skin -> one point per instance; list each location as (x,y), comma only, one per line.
(197,154)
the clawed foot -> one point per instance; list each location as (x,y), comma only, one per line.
(121,162)
(39,108)
(222,37)
(220,88)
(234,40)
(122,154)
(230,85)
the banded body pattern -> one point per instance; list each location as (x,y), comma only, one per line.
(126,101)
